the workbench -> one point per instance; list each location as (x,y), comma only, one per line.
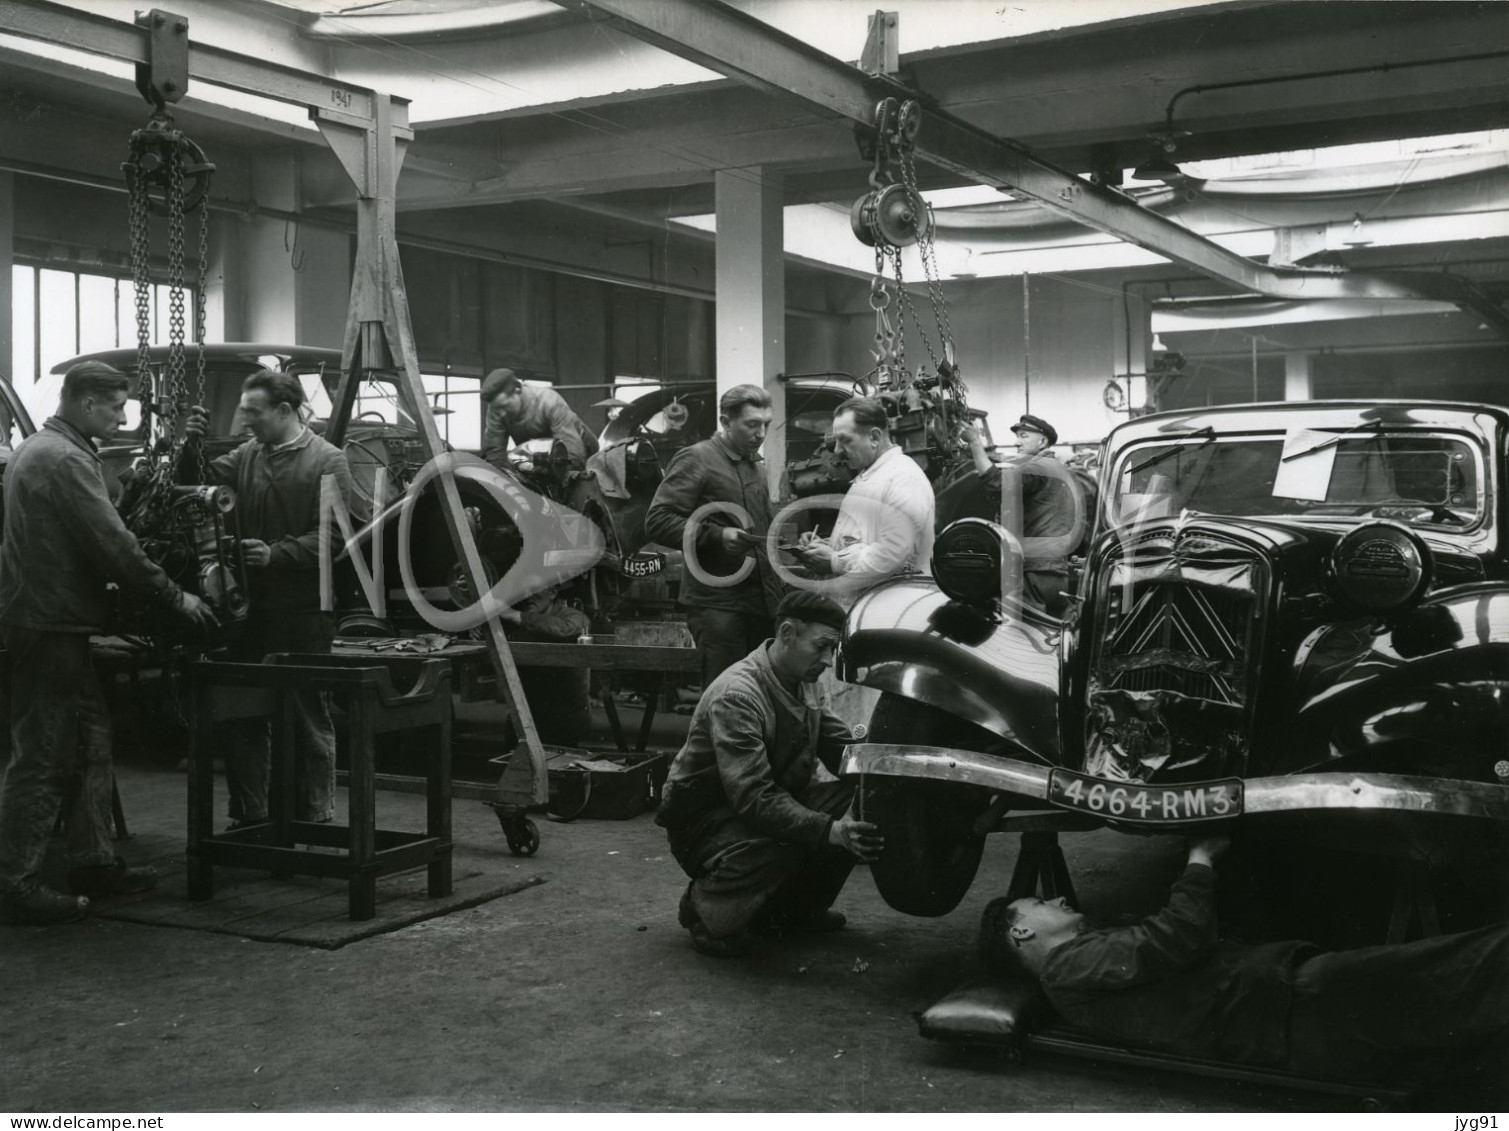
(472,676)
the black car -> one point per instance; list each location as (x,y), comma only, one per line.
(1291,619)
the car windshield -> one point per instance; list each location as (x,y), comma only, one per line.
(1418,478)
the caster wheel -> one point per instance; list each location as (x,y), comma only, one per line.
(523,837)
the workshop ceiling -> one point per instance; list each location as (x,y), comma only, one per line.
(496,125)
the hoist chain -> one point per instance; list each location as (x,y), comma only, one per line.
(177,386)
(141,280)
(164,159)
(199,307)
(927,252)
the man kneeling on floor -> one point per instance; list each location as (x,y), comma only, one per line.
(1398,1013)
(753,810)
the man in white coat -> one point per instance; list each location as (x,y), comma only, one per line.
(884,527)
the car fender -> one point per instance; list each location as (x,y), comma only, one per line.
(1000,672)
(1438,675)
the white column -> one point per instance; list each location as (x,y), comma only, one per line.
(285,282)
(1299,383)
(7,259)
(751,294)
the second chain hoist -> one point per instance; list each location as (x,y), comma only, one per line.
(930,409)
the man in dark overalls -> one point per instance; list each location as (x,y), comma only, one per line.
(754,812)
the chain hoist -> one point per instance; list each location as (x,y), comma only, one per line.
(167,175)
(892,216)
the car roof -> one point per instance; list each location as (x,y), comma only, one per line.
(125,359)
(1278,415)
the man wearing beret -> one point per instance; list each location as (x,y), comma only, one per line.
(516,412)
(752,807)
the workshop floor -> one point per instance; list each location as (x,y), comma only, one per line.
(578,993)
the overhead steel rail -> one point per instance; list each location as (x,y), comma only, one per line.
(724,39)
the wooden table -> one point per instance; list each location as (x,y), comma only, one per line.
(471,663)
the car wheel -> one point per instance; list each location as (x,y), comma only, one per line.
(931,850)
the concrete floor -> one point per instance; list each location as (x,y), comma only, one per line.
(580,993)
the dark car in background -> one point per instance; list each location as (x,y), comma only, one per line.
(1292,621)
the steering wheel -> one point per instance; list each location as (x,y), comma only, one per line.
(372,414)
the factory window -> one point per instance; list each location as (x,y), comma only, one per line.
(58,315)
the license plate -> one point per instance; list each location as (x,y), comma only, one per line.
(1154,804)
(642,565)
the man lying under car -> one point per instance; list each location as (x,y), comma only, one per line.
(1385,1013)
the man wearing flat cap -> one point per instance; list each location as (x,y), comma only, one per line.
(1047,511)
(516,412)
(752,807)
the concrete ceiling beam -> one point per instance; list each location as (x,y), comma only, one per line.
(716,35)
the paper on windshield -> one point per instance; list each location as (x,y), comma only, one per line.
(1306,476)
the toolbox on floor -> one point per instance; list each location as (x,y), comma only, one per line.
(604,787)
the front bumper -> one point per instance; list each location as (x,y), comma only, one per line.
(1291,793)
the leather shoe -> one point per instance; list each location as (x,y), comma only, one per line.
(727,946)
(41,905)
(118,878)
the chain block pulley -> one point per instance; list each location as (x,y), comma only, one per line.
(894,215)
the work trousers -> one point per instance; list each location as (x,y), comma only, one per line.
(1400,1012)
(724,637)
(737,873)
(60,745)
(247,743)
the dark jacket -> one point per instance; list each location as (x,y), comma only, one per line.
(1169,983)
(712,471)
(64,538)
(753,750)
(544,412)
(278,502)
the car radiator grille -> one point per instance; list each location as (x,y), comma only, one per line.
(1176,636)
(1169,694)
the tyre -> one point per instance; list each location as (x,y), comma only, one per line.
(931,849)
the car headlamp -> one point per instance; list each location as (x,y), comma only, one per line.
(967,558)
(1381,567)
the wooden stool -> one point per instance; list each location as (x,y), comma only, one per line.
(225,692)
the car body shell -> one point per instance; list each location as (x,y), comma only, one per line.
(1206,647)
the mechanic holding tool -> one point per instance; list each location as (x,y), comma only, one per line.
(753,811)
(1381,1013)
(277,476)
(729,622)
(516,412)
(63,541)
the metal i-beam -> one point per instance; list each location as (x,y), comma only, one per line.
(103,35)
(724,39)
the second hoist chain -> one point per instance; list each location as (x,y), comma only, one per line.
(163,158)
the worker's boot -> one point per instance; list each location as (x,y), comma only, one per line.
(116,878)
(728,946)
(40,906)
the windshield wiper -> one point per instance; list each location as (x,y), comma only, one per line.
(1208,432)
(1336,439)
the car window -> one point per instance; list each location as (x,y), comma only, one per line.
(1421,479)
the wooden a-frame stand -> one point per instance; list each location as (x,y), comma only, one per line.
(368,132)
(379,337)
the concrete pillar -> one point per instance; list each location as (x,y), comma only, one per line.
(1299,383)
(751,294)
(7,259)
(278,280)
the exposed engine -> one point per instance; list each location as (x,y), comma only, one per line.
(188,531)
